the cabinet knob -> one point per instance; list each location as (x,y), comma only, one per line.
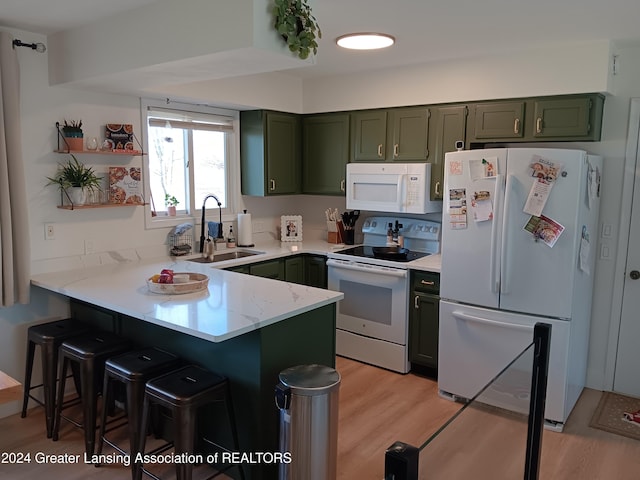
(539,125)
(516,126)
(437,192)
(425,282)
(416,303)
(395,150)
(380,150)
(273,184)
(342,185)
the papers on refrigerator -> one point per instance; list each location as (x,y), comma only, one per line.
(481,206)
(484,168)
(545,229)
(457,208)
(545,173)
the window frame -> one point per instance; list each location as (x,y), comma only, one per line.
(193,213)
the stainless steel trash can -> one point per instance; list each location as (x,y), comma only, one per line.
(307,396)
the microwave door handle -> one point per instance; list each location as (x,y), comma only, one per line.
(494,259)
(401,188)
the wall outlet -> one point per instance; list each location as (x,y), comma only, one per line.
(89,247)
(258,226)
(49,231)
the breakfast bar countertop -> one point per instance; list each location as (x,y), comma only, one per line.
(233,303)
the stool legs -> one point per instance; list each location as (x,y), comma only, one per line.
(89,403)
(184,428)
(31,351)
(49,357)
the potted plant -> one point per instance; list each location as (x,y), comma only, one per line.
(76,180)
(170,202)
(297,25)
(73,135)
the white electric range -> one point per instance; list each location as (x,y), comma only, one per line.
(373,318)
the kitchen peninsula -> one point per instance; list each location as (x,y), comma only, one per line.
(245,327)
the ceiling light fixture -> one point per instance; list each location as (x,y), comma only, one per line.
(365,41)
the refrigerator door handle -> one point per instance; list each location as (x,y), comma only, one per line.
(472,318)
(494,257)
(504,267)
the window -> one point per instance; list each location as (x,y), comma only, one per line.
(191,154)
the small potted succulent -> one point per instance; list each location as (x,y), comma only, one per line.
(73,135)
(170,202)
(297,25)
(76,180)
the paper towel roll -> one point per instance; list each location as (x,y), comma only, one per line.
(245,230)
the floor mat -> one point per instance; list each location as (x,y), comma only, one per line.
(609,415)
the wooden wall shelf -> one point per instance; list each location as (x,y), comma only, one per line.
(100,205)
(129,153)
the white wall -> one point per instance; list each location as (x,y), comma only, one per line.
(120,228)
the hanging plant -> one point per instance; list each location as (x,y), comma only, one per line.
(297,25)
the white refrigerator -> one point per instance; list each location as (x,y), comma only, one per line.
(519,232)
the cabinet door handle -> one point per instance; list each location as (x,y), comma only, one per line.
(415,302)
(516,126)
(437,188)
(273,184)
(425,282)
(539,125)
(342,185)
(395,150)
(380,150)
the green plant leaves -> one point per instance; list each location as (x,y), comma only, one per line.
(297,25)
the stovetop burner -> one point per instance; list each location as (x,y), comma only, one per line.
(367,252)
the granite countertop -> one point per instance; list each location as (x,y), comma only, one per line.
(232,304)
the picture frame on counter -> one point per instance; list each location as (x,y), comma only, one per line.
(291,228)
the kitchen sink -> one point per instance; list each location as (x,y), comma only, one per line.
(221,257)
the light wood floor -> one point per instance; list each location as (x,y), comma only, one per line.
(377,408)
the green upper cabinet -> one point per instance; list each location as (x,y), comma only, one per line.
(450,127)
(325,153)
(568,118)
(497,120)
(408,134)
(369,130)
(397,134)
(269,152)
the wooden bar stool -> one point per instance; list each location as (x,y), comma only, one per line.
(49,337)
(183,392)
(89,353)
(133,369)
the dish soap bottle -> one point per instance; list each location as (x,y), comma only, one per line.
(231,240)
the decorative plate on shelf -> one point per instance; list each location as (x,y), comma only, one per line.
(194,283)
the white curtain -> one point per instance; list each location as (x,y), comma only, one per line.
(15,256)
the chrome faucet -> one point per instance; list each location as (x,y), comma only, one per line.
(219,234)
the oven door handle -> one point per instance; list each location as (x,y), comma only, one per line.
(392,272)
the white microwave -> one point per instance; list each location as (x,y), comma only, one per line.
(390,187)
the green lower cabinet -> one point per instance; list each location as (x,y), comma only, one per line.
(239,269)
(315,271)
(424,319)
(269,269)
(294,269)
(305,269)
